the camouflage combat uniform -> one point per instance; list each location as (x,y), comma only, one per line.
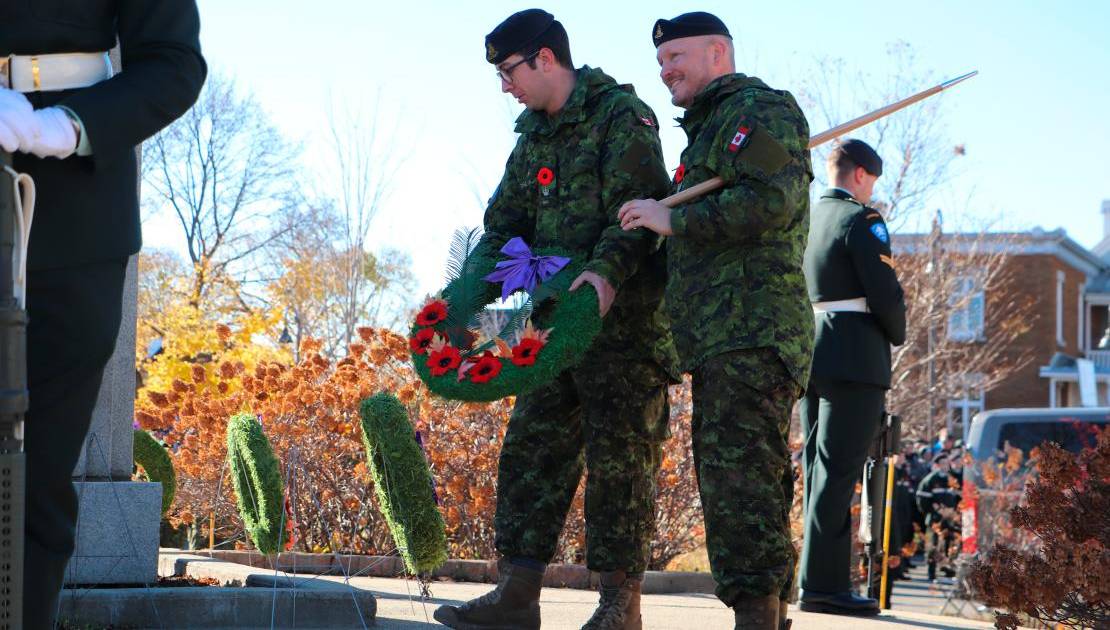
(610,413)
(742,321)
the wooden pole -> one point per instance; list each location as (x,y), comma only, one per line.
(710,185)
(884,583)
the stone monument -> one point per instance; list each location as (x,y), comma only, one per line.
(118,521)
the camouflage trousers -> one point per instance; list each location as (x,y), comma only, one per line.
(742,404)
(609,417)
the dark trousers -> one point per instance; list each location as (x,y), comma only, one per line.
(742,403)
(839,420)
(74,316)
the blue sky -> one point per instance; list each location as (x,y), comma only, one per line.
(1035,122)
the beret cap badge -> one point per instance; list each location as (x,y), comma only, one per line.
(491,52)
(693,24)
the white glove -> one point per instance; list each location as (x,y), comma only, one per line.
(57,134)
(19,126)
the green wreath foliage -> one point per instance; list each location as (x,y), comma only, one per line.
(403,484)
(152,456)
(256,475)
(572,317)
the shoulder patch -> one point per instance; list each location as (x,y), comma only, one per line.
(763,151)
(740,138)
(879,230)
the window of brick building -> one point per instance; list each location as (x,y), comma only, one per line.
(1060,341)
(967,401)
(965,319)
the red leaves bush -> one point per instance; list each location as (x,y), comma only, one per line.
(1066,578)
(309,411)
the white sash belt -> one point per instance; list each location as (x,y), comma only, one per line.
(854,305)
(50,73)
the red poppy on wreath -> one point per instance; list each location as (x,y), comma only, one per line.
(433,313)
(419,342)
(545,176)
(679,173)
(485,369)
(444,360)
(525,352)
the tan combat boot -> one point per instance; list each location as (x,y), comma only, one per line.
(513,605)
(619,605)
(757,613)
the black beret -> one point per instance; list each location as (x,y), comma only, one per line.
(516,32)
(863,155)
(688,25)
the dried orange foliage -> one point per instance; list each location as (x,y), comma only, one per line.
(1065,579)
(310,414)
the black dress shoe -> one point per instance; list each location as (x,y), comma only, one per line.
(846,603)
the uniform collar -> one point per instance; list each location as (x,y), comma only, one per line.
(706,100)
(588,83)
(839,193)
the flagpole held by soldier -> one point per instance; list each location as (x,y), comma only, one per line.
(737,302)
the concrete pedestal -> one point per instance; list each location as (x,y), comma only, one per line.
(117,527)
(117,533)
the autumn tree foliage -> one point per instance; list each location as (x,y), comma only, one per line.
(309,411)
(1065,578)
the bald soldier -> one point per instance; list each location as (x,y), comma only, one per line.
(859,311)
(737,302)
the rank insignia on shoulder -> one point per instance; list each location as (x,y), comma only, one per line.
(887,260)
(741,136)
(879,230)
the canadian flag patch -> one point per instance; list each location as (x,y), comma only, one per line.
(739,138)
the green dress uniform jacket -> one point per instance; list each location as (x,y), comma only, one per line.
(849,257)
(86,225)
(90,205)
(735,261)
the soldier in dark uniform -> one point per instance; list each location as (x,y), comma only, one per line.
(937,491)
(597,145)
(74,129)
(859,312)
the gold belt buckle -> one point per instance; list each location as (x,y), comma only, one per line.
(6,71)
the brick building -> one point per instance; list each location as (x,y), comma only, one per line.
(1068,336)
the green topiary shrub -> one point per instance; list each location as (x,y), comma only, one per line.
(152,456)
(256,475)
(403,484)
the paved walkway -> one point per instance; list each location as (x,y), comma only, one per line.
(399,607)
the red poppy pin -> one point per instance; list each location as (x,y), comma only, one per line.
(679,173)
(545,176)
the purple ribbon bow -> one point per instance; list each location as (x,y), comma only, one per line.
(523,269)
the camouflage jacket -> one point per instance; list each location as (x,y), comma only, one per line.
(601,149)
(735,262)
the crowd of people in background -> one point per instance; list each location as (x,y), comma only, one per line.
(925,519)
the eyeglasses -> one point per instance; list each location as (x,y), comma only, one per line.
(506,74)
